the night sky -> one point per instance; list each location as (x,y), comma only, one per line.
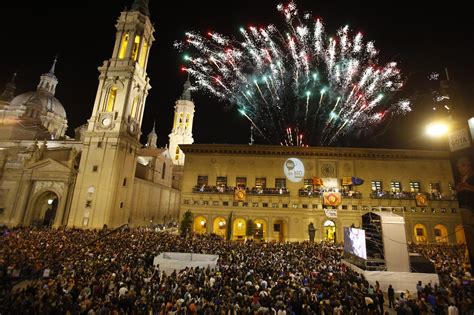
(422,39)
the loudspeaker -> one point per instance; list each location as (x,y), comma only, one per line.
(386,239)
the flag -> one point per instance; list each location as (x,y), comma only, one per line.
(317,181)
(332,198)
(347,181)
(357,181)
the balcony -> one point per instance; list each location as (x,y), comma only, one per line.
(318,193)
(231,190)
(407,195)
(214,190)
(267,191)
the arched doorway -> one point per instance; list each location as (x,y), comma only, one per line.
(420,234)
(238,229)
(260,231)
(441,233)
(329,231)
(219,227)
(45,208)
(200,225)
(279,230)
(460,236)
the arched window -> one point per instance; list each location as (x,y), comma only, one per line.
(143,53)
(133,112)
(175,121)
(163,171)
(176,157)
(111,99)
(420,233)
(187,121)
(123,46)
(441,233)
(136,44)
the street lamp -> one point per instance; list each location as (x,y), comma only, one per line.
(437,129)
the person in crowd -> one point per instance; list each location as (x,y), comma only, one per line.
(116,275)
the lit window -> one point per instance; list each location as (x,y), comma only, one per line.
(396,187)
(123,46)
(187,121)
(202,181)
(241,182)
(221,181)
(261,182)
(280,182)
(308,183)
(376,185)
(111,99)
(136,44)
(133,112)
(415,187)
(143,53)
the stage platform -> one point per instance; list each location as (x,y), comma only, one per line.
(400,281)
(170,261)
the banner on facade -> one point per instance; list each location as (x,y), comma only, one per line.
(347,181)
(317,181)
(240,195)
(421,200)
(331,199)
(330,182)
(459,139)
(331,213)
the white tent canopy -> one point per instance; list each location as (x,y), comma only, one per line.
(170,261)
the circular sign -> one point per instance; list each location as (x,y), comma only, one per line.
(294,170)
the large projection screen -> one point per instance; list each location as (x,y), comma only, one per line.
(354,242)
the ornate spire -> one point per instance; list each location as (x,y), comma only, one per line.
(9,91)
(186,91)
(48,81)
(152,137)
(141,6)
(53,67)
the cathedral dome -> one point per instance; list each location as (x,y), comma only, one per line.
(43,106)
(45,101)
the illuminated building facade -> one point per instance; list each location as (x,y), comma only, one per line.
(281,190)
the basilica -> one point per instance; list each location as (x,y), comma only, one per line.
(105,176)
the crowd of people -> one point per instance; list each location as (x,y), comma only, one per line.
(112,272)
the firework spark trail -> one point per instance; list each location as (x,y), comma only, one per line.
(278,73)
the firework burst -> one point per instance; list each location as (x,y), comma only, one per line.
(297,86)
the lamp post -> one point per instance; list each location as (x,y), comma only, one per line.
(460,137)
